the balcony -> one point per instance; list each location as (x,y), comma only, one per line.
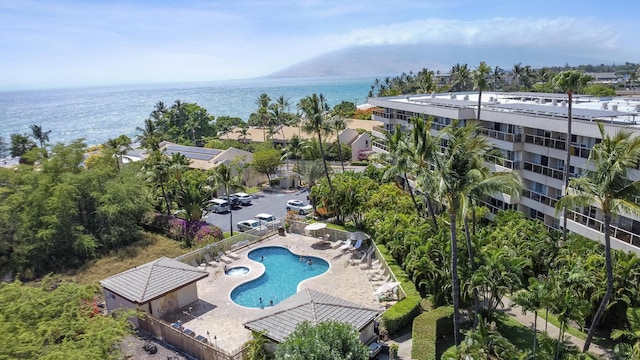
(559,144)
(494,159)
(544,170)
(597,225)
(501,135)
(539,197)
(379,145)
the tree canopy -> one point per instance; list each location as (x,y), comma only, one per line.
(328,340)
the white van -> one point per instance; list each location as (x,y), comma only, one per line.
(218,206)
(265,218)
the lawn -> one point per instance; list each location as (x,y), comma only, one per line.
(151,247)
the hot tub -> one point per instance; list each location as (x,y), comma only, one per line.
(237,271)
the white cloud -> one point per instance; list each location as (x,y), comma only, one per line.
(497,31)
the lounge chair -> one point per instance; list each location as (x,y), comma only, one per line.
(233,255)
(354,247)
(346,246)
(342,244)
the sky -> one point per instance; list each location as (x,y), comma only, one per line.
(63,43)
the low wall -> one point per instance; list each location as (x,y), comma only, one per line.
(199,348)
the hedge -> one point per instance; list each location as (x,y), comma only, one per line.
(404,311)
(428,328)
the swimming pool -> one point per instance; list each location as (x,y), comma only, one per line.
(283,272)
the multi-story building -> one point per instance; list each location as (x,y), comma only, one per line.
(529,132)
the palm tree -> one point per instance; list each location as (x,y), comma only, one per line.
(295,147)
(337,124)
(40,135)
(155,169)
(460,77)
(517,73)
(177,166)
(119,147)
(479,76)
(150,137)
(605,184)
(424,147)
(633,333)
(221,176)
(532,299)
(451,169)
(315,108)
(568,82)
(497,77)
(263,106)
(243,131)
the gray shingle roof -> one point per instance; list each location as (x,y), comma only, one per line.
(313,306)
(152,280)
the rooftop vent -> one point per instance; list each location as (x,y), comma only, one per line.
(638,107)
(605,106)
(614,107)
(491,99)
(452,95)
(540,101)
(523,99)
(563,103)
(466,97)
(433,94)
(406,98)
(554,102)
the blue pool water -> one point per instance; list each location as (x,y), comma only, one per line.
(283,272)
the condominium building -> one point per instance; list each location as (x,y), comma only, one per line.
(529,132)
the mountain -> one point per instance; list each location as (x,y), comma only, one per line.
(395,59)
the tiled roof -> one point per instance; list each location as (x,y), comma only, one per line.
(152,280)
(313,306)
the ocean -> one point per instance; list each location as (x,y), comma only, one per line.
(100,113)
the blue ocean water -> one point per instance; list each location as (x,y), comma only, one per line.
(97,114)
(283,272)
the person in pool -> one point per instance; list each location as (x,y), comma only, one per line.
(309,262)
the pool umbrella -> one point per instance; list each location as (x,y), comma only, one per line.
(358,235)
(315,227)
(386,287)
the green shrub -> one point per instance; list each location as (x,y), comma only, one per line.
(360,163)
(401,314)
(428,328)
(404,311)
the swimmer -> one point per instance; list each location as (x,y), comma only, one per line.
(271,302)
(301,258)
(309,262)
(261,258)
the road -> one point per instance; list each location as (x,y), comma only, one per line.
(270,203)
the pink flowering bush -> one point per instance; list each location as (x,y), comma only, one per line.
(188,232)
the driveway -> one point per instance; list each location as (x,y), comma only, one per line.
(273,203)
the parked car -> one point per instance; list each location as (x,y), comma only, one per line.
(374,350)
(265,218)
(244,198)
(232,199)
(251,224)
(299,206)
(218,206)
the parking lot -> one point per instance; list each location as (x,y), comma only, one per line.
(270,203)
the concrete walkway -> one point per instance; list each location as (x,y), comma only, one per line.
(515,312)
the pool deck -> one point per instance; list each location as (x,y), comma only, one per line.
(218,316)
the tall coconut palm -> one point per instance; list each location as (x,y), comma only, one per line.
(568,82)
(479,77)
(156,172)
(337,124)
(222,176)
(315,108)
(532,299)
(150,137)
(38,134)
(451,180)
(295,147)
(497,77)
(119,147)
(263,107)
(517,74)
(605,184)
(424,147)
